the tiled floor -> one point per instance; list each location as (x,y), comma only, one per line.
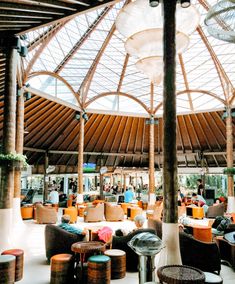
(37,271)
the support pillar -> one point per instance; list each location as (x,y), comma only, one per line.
(171,252)
(152,195)
(6,170)
(45,178)
(229,135)
(80,160)
(17,219)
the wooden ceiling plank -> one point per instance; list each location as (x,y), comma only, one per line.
(62,129)
(111,134)
(25,15)
(180,134)
(187,133)
(31,8)
(117,133)
(203,132)
(194,132)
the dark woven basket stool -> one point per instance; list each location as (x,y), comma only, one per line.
(19,268)
(118,263)
(62,269)
(99,269)
(7,269)
(213,278)
(180,274)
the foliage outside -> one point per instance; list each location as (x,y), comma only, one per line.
(229,171)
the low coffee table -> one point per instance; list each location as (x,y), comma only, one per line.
(83,248)
(180,274)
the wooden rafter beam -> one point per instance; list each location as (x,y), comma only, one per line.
(85,85)
(81,41)
(41,48)
(220,70)
(49,11)
(185,81)
(120,154)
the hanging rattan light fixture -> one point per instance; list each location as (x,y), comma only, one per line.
(220,20)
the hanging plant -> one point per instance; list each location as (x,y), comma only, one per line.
(229,171)
(14,160)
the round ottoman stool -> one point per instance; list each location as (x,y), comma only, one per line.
(213,278)
(19,265)
(62,269)
(118,263)
(26,212)
(99,269)
(7,269)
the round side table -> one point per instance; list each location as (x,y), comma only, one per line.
(178,274)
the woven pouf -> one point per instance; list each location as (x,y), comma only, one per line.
(118,263)
(213,278)
(7,269)
(99,269)
(62,268)
(19,268)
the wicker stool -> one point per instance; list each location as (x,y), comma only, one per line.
(99,269)
(7,269)
(118,263)
(213,278)
(178,274)
(72,212)
(62,268)
(19,266)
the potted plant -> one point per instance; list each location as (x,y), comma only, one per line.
(13,160)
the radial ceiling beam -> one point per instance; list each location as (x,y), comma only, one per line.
(220,70)
(81,41)
(42,37)
(185,81)
(84,88)
(46,41)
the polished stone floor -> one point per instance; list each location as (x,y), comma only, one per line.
(37,271)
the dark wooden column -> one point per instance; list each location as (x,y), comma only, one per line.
(9,125)
(151,152)
(80,158)
(169,116)
(171,252)
(19,142)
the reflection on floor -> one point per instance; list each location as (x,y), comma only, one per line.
(37,271)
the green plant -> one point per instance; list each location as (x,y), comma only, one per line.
(229,171)
(14,157)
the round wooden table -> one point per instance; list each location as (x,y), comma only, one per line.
(178,274)
(83,248)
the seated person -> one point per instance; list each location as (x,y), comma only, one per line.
(54,196)
(199,201)
(139,223)
(69,228)
(128,195)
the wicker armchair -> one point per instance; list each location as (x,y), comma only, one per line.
(113,212)
(120,242)
(94,213)
(215,210)
(59,241)
(204,256)
(45,215)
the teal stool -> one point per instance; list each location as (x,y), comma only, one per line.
(99,269)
